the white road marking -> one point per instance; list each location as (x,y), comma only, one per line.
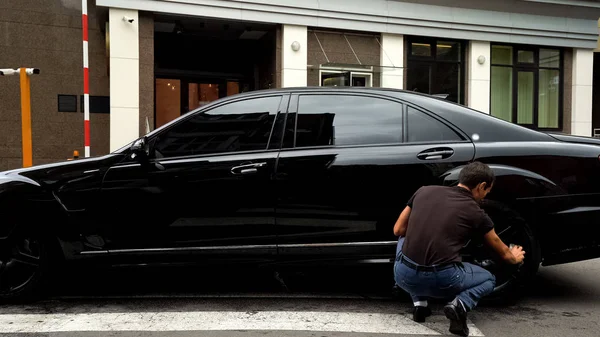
(223,321)
(474,331)
(187,295)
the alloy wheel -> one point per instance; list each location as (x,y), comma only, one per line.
(505,274)
(20,263)
(511,229)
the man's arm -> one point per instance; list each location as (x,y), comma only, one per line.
(402,222)
(512,256)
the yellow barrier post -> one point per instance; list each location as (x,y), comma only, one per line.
(26,118)
(25,110)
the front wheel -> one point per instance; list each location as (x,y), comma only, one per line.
(23,262)
(512,229)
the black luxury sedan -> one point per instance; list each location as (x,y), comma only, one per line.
(297,176)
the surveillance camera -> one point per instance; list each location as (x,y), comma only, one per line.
(128,19)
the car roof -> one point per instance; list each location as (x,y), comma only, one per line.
(380,90)
(472,122)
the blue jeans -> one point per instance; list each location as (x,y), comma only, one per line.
(466,281)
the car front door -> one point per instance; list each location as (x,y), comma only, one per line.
(349,164)
(206,187)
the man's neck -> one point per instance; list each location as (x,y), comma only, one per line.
(465,187)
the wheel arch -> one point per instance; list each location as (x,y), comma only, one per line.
(24,202)
(516,189)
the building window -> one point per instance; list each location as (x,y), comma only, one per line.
(526,86)
(67,103)
(435,66)
(354,57)
(346,78)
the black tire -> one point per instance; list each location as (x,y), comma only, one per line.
(512,229)
(24,263)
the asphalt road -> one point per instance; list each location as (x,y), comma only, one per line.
(333,302)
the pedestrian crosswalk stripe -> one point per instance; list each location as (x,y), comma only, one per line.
(224,321)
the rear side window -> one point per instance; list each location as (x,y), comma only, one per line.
(326,120)
(423,128)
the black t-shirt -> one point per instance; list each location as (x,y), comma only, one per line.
(441,221)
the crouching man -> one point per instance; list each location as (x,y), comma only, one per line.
(433,227)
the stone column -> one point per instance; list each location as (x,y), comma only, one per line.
(146,71)
(124,77)
(293,70)
(581,93)
(392,61)
(479,76)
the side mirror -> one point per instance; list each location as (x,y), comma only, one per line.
(140,149)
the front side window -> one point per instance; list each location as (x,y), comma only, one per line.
(238,126)
(326,120)
(526,85)
(423,128)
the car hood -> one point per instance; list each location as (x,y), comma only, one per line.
(49,173)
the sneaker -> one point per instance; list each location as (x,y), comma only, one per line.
(456,313)
(420,313)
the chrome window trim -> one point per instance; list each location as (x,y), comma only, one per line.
(238,247)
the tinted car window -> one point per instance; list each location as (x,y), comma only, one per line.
(239,126)
(422,128)
(324,120)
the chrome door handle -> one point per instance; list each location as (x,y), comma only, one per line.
(435,154)
(247,168)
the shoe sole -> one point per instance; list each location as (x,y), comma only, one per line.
(457,326)
(420,317)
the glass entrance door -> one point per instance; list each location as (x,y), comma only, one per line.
(175,97)
(167,100)
(200,94)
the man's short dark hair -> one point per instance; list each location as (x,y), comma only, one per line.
(476,173)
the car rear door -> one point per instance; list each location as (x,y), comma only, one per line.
(207,188)
(349,163)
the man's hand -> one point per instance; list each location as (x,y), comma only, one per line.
(514,255)
(518,253)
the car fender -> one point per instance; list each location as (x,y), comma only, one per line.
(24,201)
(512,183)
(7,180)
(522,190)
(527,193)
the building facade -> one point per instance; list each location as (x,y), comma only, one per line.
(530,62)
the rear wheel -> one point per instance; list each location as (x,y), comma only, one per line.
(512,229)
(23,263)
